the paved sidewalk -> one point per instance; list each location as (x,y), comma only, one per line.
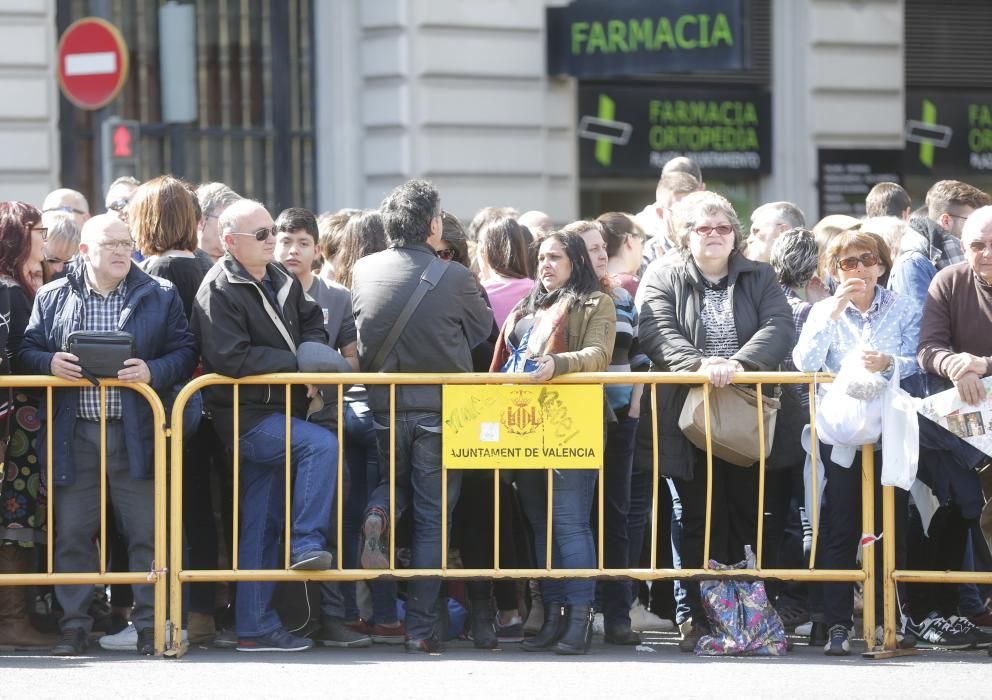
(462,672)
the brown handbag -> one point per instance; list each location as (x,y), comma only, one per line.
(733,421)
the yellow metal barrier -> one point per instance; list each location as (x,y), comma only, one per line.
(157,574)
(179,575)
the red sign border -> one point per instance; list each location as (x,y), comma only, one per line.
(125,62)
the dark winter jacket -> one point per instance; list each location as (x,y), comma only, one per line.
(242,333)
(153,314)
(673,337)
(451,319)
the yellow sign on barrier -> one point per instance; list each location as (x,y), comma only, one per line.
(547,426)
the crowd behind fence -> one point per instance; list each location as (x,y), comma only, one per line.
(173,526)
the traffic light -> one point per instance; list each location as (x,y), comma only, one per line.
(120,150)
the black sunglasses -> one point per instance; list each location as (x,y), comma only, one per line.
(446,254)
(851,264)
(260,235)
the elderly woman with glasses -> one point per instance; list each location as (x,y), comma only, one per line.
(712,311)
(878,329)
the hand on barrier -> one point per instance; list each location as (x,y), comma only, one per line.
(545,369)
(964,363)
(66,366)
(135,370)
(719,370)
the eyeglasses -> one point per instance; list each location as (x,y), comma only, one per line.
(116,246)
(42,230)
(851,264)
(721,230)
(67,210)
(446,254)
(979,246)
(957,216)
(260,235)
(56,261)
(118,205)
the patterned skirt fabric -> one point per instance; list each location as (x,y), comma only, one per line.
(23,492)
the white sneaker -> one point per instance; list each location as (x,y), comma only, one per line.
(804,629)
(598,625)
(127,639)
(643,620)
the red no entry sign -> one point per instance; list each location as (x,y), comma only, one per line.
(93,63)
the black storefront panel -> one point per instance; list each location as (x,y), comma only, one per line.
(645,37)
(846,176)
(632,130)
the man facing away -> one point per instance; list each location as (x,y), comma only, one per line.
(451,319)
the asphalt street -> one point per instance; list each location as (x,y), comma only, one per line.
(657,669)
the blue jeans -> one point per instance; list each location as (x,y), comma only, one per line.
(572,544)
(418,482)
(617,466)
(263,456)
(361,476)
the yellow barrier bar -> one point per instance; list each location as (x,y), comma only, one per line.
(176,531)
(340,489)
(50,554)
(851,575)
(547,545)
(891,616)
(977,577)
(814,453)
(600,478)
(444,519)
(160,569)
(235,477)
(103,479)
(654,476)
(496,530)
(392,476)
(288,476)
(709,477)
(761,474)
(868,551)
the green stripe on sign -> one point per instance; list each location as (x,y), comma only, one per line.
(930,119)
(604,149)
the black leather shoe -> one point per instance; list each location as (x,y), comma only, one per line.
(550,632)
(578,631)
(621,635)
(146,642)
(818,635)
(482,625)
(74,642)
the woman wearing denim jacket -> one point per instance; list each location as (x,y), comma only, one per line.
(882,329)
(564,325)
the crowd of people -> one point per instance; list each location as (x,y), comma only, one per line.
(205,280)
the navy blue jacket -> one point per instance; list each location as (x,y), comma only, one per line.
(153,314)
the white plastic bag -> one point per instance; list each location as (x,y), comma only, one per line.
(900,435)
(842,419)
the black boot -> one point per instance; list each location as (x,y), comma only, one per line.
(481,625)
(551,630)
(578,631)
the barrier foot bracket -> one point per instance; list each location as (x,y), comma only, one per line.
(876,654)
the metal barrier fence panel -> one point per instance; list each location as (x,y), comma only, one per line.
(180,575)
(157,575)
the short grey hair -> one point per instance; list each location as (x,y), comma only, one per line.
(61,227)
(785,213)
(795,257)
(212,195)
(693,207)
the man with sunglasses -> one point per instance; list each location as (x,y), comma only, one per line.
(68,202)
(949,203)
(251,316)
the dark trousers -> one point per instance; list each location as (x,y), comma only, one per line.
(617,470)
(941,549)
(784,546)
(838,541)
(77,519)
(733,524)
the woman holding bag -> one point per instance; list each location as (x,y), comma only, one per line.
(713,311)
(869,330)
(566,324)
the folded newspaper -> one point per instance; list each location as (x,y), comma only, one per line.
(973,424)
